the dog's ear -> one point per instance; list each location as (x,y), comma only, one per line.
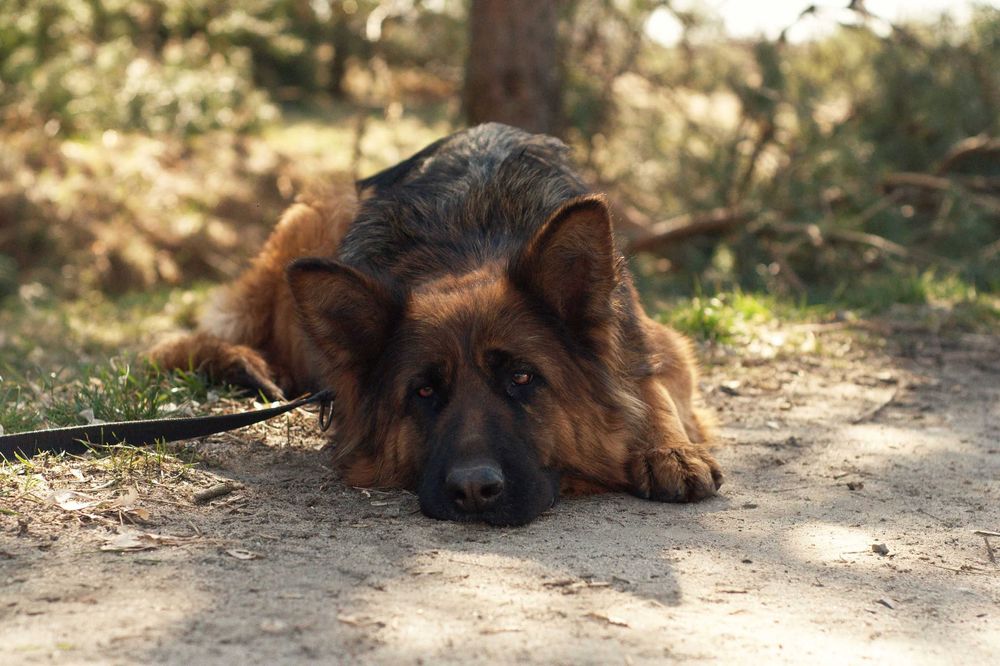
(348,314)
(570,264)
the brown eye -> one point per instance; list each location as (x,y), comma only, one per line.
(425,391)
(521,378)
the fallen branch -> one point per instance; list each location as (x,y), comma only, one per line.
(873,240)
(818,235)
(691,224)
(211,493)
(966,147)
(989,546)
(912,179)
(990,251)
(926,181)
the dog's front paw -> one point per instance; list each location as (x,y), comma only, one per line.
(683,474)
(246,369)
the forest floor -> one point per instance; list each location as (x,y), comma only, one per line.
(856,476)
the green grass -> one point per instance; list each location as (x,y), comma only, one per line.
(25,482)
(16,412)
(730,316)
(937,301)
(124,463)
(946,299)
(122,389)
(61,358)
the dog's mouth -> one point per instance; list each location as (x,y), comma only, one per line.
(483,493)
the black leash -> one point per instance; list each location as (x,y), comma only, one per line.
(79,439)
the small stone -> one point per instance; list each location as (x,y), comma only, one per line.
(731,387)
(273,626)
(880,549)
(886,378)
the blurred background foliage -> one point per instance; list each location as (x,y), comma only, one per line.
(148,143)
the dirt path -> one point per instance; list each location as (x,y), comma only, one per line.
(825,456)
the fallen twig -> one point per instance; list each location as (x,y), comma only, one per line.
(212,492)
(946,523)
(927,181)
(690,224)
(981,143)
(924,181)
(817,235)
(986,534)
(989,549)
(965,568)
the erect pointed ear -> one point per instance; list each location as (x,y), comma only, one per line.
(570,264)
(348,314)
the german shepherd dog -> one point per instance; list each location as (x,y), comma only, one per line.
(479,328)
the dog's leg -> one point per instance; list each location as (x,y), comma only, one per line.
(672,463)
(666,465)
(222,361)
(249,334)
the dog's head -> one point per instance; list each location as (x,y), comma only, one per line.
(474,388)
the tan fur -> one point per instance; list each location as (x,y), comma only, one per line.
(250,327)
(643,434)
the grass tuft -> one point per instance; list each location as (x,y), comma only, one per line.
(728,317)
(123,389)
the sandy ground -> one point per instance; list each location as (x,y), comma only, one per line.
(825,456)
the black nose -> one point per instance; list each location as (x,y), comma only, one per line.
(474,488)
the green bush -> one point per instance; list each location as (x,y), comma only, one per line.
(82,67)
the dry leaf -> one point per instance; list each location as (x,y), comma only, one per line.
(241,554)
(610,619)
(499,630)
(126,501)
(128,541)
(70,500)
(88,416)
(360,620)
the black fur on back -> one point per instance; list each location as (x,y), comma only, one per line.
(475,196)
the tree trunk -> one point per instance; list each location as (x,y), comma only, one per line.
(341,39)
(512,75)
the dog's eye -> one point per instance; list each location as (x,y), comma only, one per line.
(521,378)
(425,391)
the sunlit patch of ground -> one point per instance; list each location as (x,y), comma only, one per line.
(857,469)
